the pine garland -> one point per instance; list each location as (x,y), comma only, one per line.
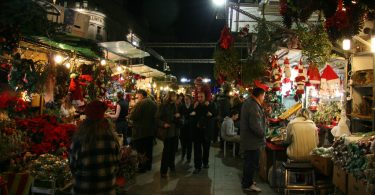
(227,63)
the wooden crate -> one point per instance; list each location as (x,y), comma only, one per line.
(340,178)
(322,165)
(356,187)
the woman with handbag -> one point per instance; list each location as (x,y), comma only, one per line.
(168,121)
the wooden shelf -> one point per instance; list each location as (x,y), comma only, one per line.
(366,53)
(362,86)
(361,117)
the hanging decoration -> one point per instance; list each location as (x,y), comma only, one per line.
(329,81)
(300,80)
(75,90)
(27,75)
(287,70)
(276,75)
(313,75)
(226,38)
(244,31)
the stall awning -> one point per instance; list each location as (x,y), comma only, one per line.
(145,70)
(123,49)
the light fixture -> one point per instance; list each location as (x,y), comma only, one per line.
(154,85)
(67,65)
(135,43)
(346,44)
(206,80)
(58,59)
(103,62)
(119,68)
(218,2)
(373,44)
(149,85)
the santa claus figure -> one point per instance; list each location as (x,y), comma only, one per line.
(287,70)
(300,80)
(75,90)
(276,75)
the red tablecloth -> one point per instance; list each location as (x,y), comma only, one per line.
(273,146)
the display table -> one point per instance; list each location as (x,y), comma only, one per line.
(274,149)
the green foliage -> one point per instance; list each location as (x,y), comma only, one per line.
(327,113)
(315,43)
(227,63)
(256,63)
(26,74)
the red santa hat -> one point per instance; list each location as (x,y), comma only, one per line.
(329,77)
(313,75)
(300,80)
(259,84)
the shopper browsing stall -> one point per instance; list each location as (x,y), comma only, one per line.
(228,130)
(122,109)
(302,137)
(253,126)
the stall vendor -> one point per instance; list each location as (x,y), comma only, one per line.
(302,137)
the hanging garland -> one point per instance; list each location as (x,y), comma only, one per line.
(315,43)
(339,22)
(226,57)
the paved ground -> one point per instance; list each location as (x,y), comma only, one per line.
(222,178)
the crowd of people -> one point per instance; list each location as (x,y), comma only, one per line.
(194,122)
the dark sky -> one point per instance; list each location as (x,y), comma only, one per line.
(179,21)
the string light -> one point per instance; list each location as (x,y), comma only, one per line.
(346,44)
(67,65)
(58,59)
(103,62)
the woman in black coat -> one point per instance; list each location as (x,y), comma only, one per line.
(186,132)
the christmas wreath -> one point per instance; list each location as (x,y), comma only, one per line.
(27,75)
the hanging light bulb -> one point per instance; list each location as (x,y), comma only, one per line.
(373,44)
(119,68)
(346,44)
(103,62)
(67,65)
(154,85)
(58,59)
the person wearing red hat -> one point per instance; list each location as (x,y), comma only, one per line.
(95,153)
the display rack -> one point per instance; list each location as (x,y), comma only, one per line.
(362,85)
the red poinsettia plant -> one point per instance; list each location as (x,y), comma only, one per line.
(46,135)
(12,103)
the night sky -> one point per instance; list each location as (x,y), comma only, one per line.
(179,21)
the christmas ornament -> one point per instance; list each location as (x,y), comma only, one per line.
(300,80)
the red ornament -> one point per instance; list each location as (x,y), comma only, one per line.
(313,75)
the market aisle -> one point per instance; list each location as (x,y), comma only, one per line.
(222,178)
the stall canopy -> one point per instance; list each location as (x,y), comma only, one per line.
(119,49)
(146,70)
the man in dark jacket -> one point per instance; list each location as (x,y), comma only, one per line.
(204,112)
(252,136)
(143,117)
